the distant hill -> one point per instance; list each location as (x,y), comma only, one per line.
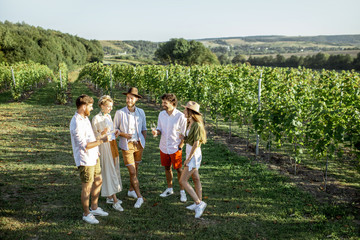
(327,39)
(264,45)
(248,46)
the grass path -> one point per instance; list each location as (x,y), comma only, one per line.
(40,188)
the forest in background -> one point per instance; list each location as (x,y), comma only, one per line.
(341,52)
(23,42)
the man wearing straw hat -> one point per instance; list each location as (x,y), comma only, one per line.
(171,123)
(131,122)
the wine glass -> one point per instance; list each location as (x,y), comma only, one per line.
(153,128)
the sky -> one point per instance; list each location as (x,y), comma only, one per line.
(161,20)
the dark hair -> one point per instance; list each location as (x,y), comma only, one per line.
(83,99)
(171,98)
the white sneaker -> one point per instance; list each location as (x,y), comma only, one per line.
(90,218)
(167,192)
(117,206)
(99,212)
(191,207)
(183,196)
(200,209)
(132,194)
(139,202)
(111,201)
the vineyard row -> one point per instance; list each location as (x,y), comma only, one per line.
(320,109)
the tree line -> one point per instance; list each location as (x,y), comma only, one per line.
(318,61)
(185,52)
(23,42)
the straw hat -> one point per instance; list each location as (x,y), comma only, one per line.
(193,106)
(133,91)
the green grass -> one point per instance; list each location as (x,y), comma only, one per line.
(122,61)
(40,188)
(345,169)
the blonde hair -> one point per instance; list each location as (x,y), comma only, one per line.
(104,99)
(199,119)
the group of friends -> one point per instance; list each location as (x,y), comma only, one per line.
(96,151)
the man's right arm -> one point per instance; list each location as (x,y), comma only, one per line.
(78,134)
(91,145)
(158,128)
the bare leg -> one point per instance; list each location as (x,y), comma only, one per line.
(179,172)
(131,188)
(197,184)
(134,180)
(137,169)
(184,182)
(114,198)
(169,176)
(85,196)
(95,192)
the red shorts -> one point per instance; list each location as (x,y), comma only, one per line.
(175,159)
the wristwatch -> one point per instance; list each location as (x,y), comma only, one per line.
(179,148)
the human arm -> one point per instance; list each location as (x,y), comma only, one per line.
(78,130)
(117,126)
(98,142)
(181,145)
(157,131)
(144,134)
(182,129)
(125,135)
(143,127)
(117,133)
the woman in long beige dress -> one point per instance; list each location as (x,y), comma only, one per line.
(109,156)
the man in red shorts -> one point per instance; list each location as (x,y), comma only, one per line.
(171,123)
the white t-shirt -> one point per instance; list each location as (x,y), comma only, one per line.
(170,127)
(132,128)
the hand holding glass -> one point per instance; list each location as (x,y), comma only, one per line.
(153,129)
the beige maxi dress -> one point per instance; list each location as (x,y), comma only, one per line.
(109,156)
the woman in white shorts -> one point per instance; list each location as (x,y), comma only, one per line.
(195,136)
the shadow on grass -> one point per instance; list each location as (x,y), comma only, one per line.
(40,195)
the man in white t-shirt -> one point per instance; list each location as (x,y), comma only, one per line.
(131,122)
(86,155)
(171,123)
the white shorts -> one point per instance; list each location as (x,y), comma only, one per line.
(196,159)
